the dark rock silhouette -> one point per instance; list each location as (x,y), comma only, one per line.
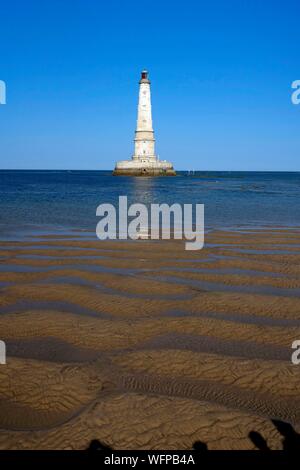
(291,439)
(290,442)
(97,445)
(258,440)
(200,446)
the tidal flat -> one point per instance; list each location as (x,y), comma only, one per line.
(143,345)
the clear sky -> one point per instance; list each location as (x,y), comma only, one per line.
(221,74)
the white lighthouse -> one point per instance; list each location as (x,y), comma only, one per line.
(144,161)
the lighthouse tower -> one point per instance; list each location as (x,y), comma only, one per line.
(144,136)
(144,161)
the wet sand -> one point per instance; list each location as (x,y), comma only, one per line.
(143,345)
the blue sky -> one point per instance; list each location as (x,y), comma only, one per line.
(221,77)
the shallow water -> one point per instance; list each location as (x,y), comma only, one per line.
(238,318)
(210,344)
(61,201)
(220,287)
(60,306)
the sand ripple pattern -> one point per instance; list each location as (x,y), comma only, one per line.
(145,345)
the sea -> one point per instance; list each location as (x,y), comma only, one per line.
(40,201)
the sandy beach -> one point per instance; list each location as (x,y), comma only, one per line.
(143,345)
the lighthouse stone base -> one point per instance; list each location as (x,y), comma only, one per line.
(144,168)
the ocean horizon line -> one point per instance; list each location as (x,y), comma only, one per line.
(178,171)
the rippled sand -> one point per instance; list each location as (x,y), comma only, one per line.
(143,345)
